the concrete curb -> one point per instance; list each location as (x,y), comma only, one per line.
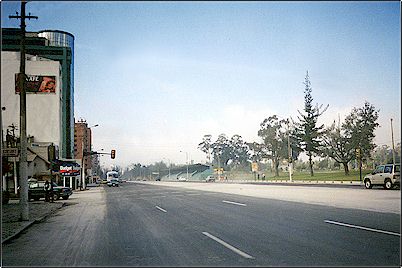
(307,182)
(28,224)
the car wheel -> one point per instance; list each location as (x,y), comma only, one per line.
(65,197)
(367,184)
(388,184)
(56,196)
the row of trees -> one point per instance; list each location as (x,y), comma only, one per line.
(287,138)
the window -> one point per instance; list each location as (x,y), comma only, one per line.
(388,169)
(379,169)
(397,168)
(33,185)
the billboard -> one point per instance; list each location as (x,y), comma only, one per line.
(37,84)
(66,168)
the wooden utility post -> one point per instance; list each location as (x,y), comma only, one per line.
(23,164)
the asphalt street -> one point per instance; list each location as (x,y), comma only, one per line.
(152,225)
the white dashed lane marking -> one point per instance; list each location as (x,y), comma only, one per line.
(161,209)
(232,248)
(234,203)
(361,227)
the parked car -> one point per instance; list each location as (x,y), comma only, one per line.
(210,178)
(386,175)
(182,179)
(36,191)
(113,182)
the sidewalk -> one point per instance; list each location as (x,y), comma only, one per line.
(38,210)
(11,226)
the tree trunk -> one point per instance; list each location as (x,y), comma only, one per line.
(276,165)
(311,165)
(346,168)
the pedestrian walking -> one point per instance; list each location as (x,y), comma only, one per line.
(47,191)
(51,192)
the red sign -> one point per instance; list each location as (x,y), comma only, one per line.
(37,84)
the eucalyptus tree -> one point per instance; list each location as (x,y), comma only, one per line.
(239,153)
(359,127)
(222,151)
(275,142)
(338,146)
(205,146)
(306,130)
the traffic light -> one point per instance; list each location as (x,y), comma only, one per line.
(358,153)
(113,154)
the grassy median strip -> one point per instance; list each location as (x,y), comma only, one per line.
(319,175)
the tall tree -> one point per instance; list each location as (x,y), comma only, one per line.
(307,132)
(221,150)
(205,146)
(383,155)
(239,151)
(256,151)
(275,140)
(337,146)
(359,127)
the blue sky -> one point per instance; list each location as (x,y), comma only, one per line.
(175,71)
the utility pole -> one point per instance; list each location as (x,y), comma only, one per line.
(289,153)
(393,145)
(169,169)
(23,118)
(83,185)
(187,163)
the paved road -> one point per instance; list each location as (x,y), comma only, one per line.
(156,225)
(376,199)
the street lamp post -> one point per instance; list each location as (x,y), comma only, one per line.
(169,166)
(289,153)
(186,161)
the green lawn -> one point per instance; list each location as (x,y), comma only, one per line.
(319,175)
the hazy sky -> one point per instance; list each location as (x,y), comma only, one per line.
(157,76)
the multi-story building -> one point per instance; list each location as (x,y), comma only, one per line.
(44,106)
(56,46)
(82,144)
(50,102)
(44,114)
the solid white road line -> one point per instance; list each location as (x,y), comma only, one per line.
(361,227)
(232,248)
(234,203)
(161,209)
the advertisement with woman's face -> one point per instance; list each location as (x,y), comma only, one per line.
(37,84)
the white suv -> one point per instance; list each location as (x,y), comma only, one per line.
(386,175)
